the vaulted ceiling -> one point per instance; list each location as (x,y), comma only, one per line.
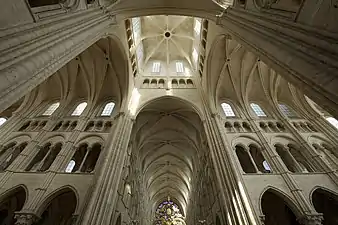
(168,142)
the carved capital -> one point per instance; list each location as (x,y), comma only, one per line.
(311,219)
(25,218)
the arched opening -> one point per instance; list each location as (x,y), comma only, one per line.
(276,210)
(167,136)
(245,160)
(60,209)
(259,159)
(35,164)
(287,158)
(91,159)
(51,157)
(327,203)
(10,155)
(10,203)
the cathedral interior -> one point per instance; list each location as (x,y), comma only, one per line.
(169,112)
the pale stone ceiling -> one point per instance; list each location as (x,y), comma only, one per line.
(167,38)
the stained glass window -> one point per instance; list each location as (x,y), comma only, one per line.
(108,109)
(287,111)
(227,110)
(258,110)
(168,213)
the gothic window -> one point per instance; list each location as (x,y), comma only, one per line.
(79,109)
(179,67)
(332,121)
(168,213)
(258,110)
(2,120)
(227,109)
(286,110)
(51,109)
(108,109)
(156,68)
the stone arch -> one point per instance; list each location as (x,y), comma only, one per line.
(17,139)
(90,139)
(124,75)
(325,201)
(216,52)
(12,201)
(192,105)
(289,209)
(64,194)
(159,142)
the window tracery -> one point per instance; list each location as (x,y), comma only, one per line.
(227,109)
(51,109)
(287,111)
(168,213)
(257,110)
(108,109)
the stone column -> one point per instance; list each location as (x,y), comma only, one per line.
(277,162)
(304,56)
(33,52)
(101,205)
(229,178)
